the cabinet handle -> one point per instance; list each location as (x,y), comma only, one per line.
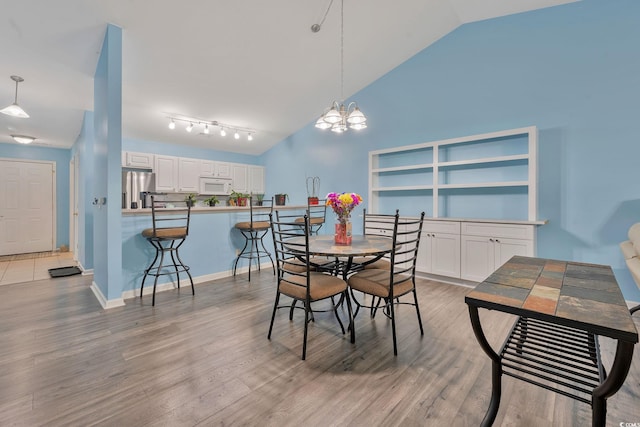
(497,241)
(491,240)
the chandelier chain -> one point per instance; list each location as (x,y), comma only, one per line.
(341,50)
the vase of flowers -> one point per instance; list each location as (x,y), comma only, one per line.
(342,204)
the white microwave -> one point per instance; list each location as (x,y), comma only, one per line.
(215,186)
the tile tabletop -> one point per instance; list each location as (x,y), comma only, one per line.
(580,295)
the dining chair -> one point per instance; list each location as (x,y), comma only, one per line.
(317,215)
(378,225)
(170,228)
(298,279)
(399,280)
(254,231)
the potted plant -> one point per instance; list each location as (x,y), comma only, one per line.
(259,199)
(281,199)
(211,201)
(233,198)
(243,198)
(190,199)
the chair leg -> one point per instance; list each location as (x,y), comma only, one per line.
(393,326)
(267,252)
(273,315)
(155,282)
(415,298)
(307,308)
(235,265)
(352,325)
(634,309)
(146,272)
(335,311)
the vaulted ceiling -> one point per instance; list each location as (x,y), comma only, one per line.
(248,63)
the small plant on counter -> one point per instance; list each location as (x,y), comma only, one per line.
(211,201)
(259,199)
(191,199)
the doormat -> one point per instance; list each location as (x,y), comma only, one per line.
(64,271)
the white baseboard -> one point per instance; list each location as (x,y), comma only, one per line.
(85,272)
(106,304)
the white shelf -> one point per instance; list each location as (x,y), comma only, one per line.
(404,188)
(484,149)
(403,168)
(485,185)
(501,159)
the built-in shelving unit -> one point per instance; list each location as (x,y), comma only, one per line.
(496,169)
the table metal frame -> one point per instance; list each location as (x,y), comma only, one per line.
(557,348)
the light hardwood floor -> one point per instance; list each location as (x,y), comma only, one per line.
(206,360)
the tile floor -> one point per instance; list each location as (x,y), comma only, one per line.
(29,267)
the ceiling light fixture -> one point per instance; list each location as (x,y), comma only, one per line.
(338,117)
(192,122)
(14,109)
(23,139)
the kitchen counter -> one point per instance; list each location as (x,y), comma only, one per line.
(217,209)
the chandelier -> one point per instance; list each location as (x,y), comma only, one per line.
(14,109)
(340,117)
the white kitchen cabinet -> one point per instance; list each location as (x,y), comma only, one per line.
(486,246)
(207,168)
(439,251)
(239,176)
(256,179)
(166,170)
(188,175)
(138,160)
(224,170)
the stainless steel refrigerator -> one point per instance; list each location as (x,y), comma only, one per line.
(137,188)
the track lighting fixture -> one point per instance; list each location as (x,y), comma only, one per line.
(14,109)
(193,122)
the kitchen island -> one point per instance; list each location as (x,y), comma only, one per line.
(209,250)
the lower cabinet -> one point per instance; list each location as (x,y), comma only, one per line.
(485,247)
(439,251)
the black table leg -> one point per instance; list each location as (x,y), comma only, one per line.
(619,371)
(496,371)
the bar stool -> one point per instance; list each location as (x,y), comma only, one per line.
(170,229)
(254,231)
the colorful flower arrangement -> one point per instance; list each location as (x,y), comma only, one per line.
(343,203)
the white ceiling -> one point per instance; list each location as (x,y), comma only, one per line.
(249,63)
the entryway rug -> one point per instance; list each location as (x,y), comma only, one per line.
(64,271)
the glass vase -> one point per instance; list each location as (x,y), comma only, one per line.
(342,234)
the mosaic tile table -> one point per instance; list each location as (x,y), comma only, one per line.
(562,308)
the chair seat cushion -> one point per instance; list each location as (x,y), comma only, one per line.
(376,282)
(312,221)
(165,233)
(381,264)
(257,225)
(321,286)
(297,266)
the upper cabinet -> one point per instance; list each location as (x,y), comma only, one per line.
(239,175)
(216,169)
(166,170)
(188,175)
(448,178)
(137,160)
(256,179)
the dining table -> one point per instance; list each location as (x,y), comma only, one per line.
(366,245)
(562,309)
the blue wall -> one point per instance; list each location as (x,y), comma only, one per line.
(573,71)
(107,228)
(61,157)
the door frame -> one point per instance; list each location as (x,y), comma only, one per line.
(73,206)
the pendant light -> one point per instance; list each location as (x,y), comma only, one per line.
(14,109)
(340,117)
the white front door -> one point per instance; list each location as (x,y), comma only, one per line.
(26,206)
